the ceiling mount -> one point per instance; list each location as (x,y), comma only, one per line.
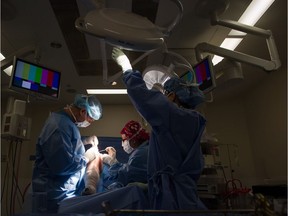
(204,8)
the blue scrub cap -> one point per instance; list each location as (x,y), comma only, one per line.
(90,103)
(187,94)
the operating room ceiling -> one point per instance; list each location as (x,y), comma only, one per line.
(49,27)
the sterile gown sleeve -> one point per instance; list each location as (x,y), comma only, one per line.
(135,170)
(175,159)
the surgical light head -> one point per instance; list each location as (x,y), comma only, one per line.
(187,93)
(90,103)
(156,75)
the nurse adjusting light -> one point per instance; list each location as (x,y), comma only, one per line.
(125,30)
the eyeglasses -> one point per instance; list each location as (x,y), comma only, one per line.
(89,119)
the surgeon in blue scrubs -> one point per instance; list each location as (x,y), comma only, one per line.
(60,154)
(175,159)
(135,142)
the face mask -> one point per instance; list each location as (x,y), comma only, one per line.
(80,124)
(126,146)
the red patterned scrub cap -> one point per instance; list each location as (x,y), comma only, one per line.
(133,129)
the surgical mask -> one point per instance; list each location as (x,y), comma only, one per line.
(126,146)
(80,124)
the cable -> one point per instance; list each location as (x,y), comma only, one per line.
(7,169)
(12,179)
(19,142)
(224,174)
(230,163)
(12,191)
(25,191)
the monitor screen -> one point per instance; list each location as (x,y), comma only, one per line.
(204,75)
(34,79)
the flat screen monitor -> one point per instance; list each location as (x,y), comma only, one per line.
(34,79)
(205,77)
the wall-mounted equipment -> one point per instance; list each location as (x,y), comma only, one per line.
(35,80)
(14,124)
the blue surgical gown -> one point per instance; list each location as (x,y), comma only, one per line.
(175,159)
(135,170)
(60,164)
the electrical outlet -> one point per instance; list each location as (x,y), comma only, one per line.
(4,158)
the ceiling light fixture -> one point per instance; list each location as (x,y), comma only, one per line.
(251,15)
(106,91)
(7,70)
(2,57)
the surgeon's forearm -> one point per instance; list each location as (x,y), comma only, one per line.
(150,103)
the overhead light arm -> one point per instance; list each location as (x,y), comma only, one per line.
(5,63)
(273,64)
(178,18)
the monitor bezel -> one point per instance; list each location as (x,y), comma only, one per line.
(29,91)
(213,79)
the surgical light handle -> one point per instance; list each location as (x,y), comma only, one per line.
(111,79)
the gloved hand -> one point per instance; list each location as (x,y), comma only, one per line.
(93,140)
(121,59)
(109,158)
(111,151)
(91,153)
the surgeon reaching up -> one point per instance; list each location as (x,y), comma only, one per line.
(175,160)
(61,159)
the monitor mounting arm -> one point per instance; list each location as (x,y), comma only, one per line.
(25,51)
(268,65)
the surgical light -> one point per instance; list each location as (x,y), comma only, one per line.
(106,91)
(251,15)
(126,30)
(157,75)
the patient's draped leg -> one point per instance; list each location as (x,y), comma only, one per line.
(93,171)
